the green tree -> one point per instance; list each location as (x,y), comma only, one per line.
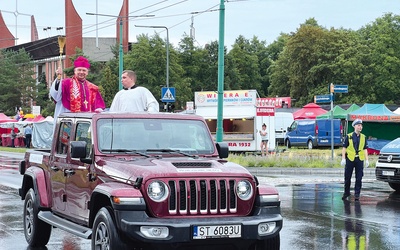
(306,66)
(17,87)
(243,64)
(382,37)
(43,99)
(109,85)
(193,62)
(209,74)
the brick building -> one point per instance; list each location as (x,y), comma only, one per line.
(46,52)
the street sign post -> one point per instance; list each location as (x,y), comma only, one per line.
(323,98)
(334,89)
(339,88)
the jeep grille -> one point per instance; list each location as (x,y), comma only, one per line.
(202,197)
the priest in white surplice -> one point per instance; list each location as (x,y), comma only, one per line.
(133,98)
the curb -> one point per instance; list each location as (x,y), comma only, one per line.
(304,171)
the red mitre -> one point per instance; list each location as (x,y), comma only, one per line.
(81,62)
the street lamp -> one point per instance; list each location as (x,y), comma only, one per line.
(121,52)
(161,27)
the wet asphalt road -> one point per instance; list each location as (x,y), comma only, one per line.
(314,215)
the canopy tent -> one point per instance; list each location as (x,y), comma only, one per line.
(338,113)
(352,108)
(374,113)
(378,121)
(309,111)
(4,118)
(42,131)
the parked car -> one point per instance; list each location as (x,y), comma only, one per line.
(388,164)
(314,133)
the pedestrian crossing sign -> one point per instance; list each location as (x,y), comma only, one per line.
(168,94)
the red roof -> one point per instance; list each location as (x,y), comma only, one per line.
(309,111)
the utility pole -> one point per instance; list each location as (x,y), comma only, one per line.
(220,116)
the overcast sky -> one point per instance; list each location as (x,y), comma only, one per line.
(265,19)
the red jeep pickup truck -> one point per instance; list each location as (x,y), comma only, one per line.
(145,181)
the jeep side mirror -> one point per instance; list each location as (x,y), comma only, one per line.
(223,149)
(78,150)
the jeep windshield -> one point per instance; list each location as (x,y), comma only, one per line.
(153,136)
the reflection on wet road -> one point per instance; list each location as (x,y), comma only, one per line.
(315,217)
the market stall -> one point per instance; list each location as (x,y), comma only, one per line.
(41,135)
(378,122)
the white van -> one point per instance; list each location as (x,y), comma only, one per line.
(283,120)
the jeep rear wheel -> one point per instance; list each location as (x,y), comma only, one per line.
(270,244)
(105,234)
(37,232)
(395,186)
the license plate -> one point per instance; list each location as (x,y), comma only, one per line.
(388,173)
(225,231)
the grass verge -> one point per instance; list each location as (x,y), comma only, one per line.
(296,158)
(13,150)
(293,158)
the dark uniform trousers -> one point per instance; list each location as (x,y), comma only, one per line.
(358,166)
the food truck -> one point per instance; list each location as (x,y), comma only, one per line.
(243,116)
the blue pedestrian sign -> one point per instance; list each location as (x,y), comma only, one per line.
(167,94)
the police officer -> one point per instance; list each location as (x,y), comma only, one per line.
(354,154)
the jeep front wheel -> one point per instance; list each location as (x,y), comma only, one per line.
(37,232)
(105,234)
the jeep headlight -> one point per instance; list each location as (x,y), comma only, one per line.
(244,190)
(157,191)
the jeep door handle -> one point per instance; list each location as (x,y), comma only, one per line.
(69,172)
(54,168)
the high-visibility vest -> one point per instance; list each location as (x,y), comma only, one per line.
(351,152)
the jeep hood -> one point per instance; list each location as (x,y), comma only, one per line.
(125,169)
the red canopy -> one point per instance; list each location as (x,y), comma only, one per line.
(4,118)
(309,111)
(38,118)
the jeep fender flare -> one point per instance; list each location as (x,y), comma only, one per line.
(118,189)
(35,176)
(102,196)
